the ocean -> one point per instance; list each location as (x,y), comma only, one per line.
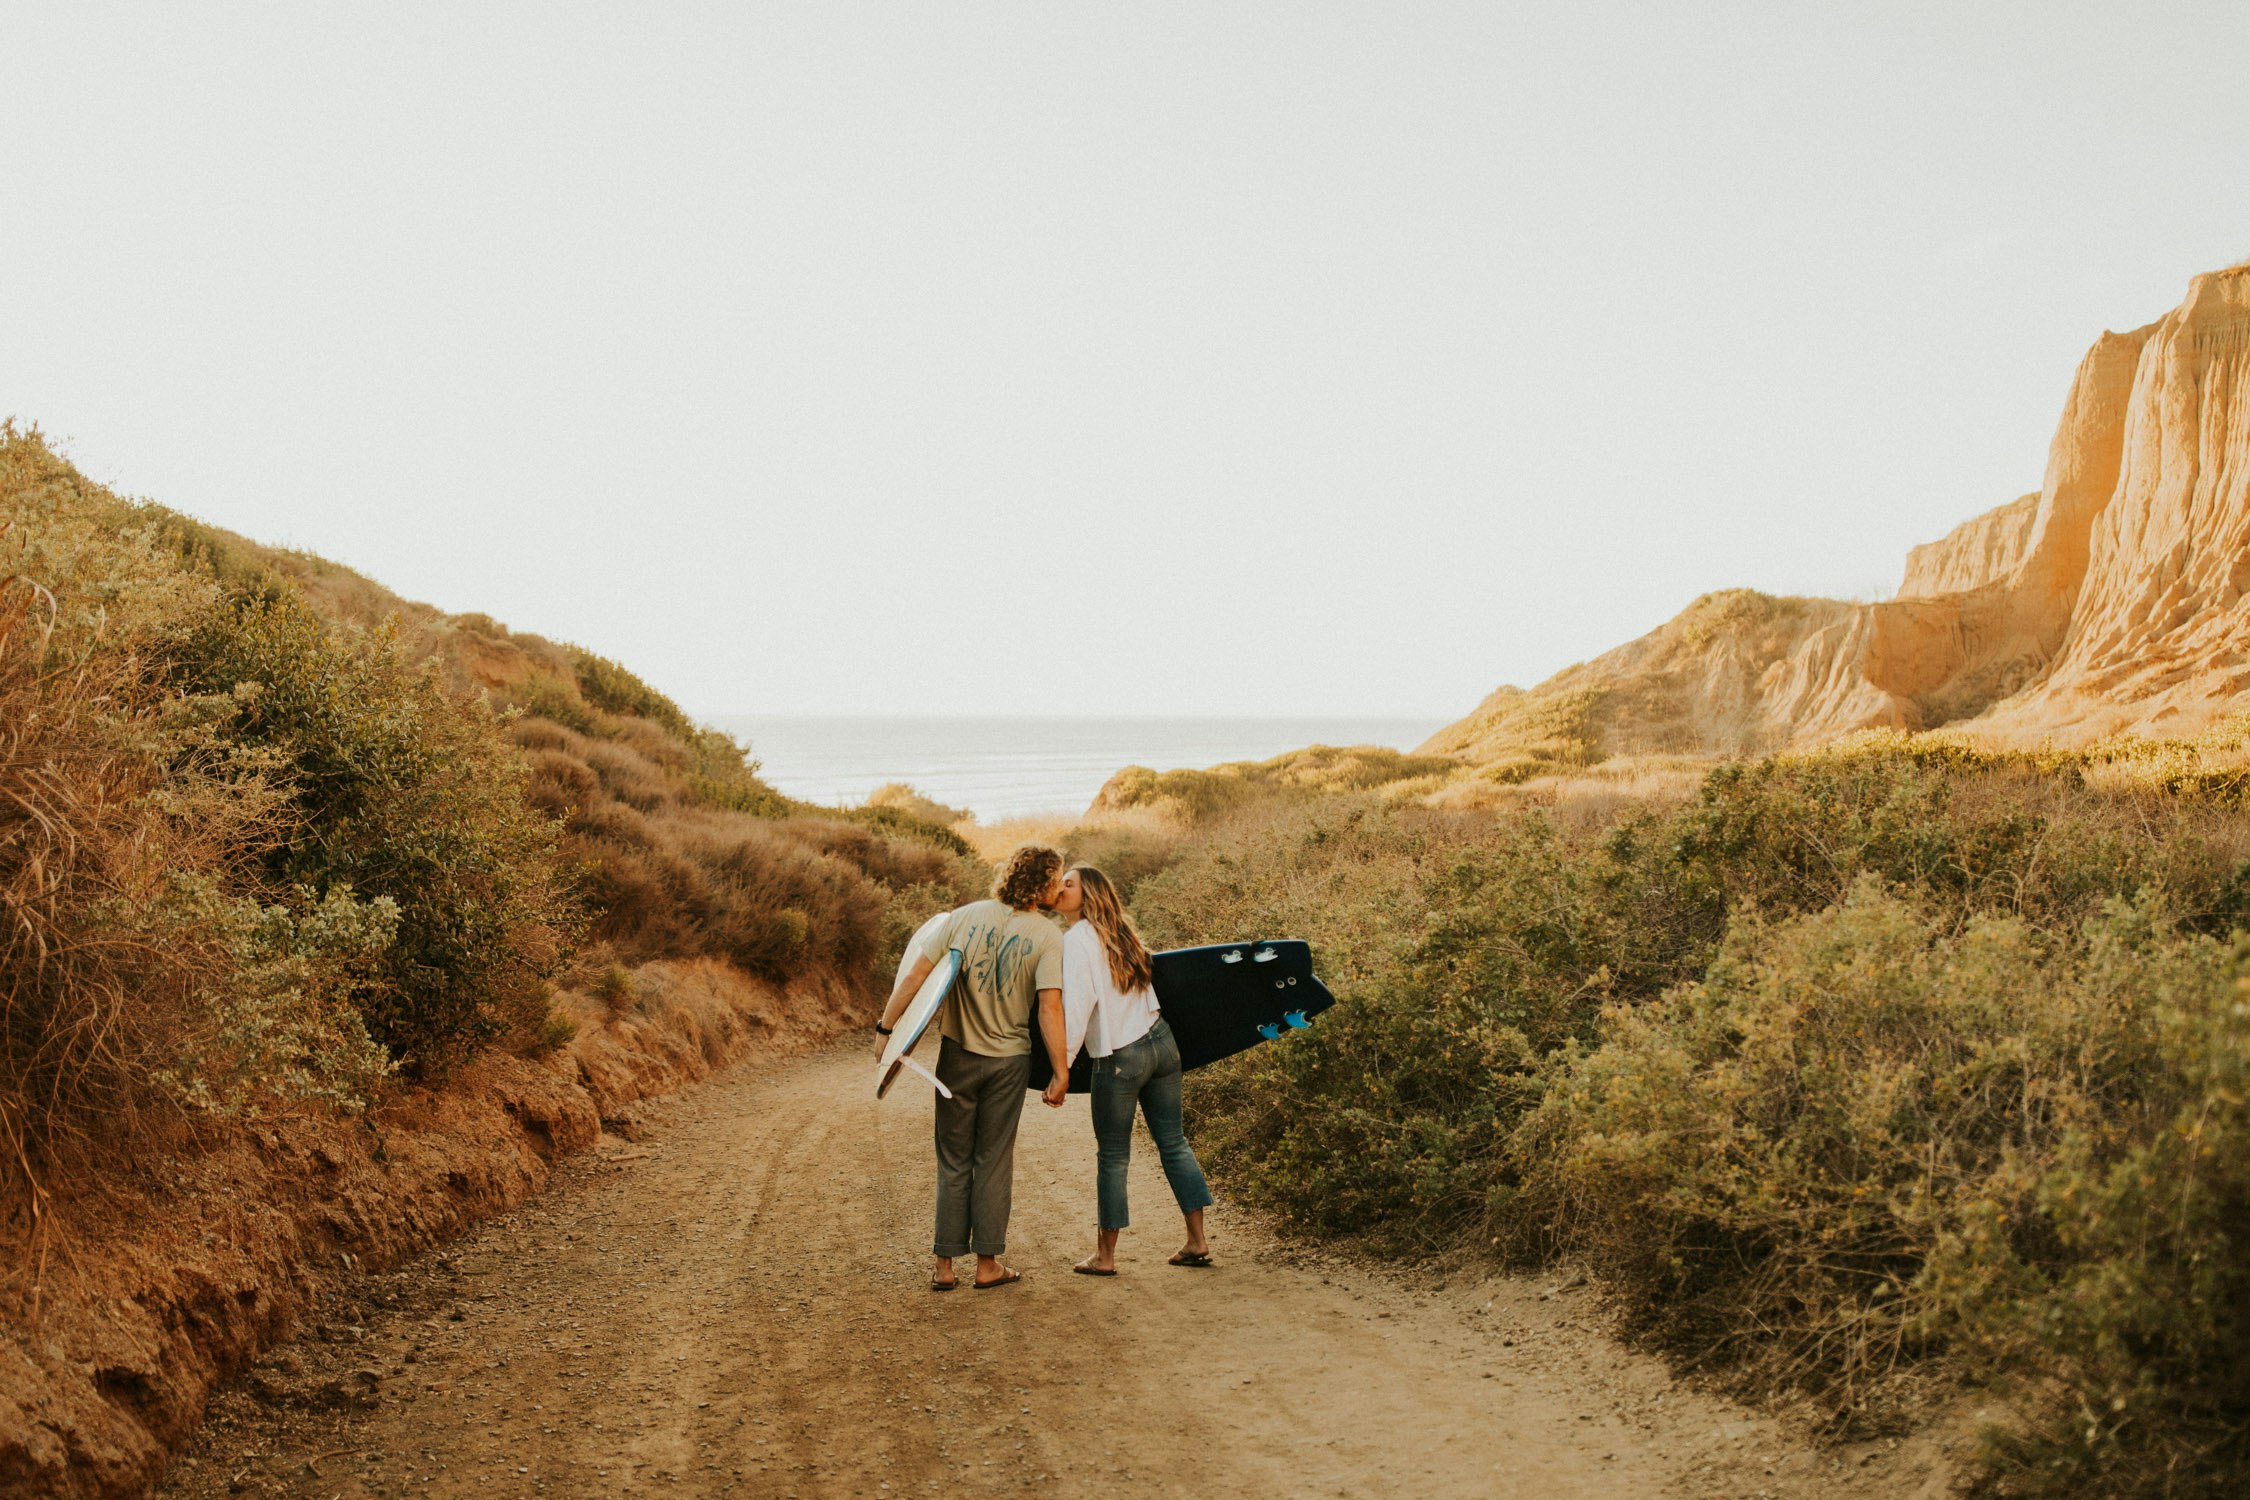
(1012,767)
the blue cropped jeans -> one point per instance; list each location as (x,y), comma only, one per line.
(1144,1073)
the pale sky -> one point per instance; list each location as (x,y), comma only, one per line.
(1287,358)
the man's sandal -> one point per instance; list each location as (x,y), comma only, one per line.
(1094,1271)
(1008,1280)
(942,1286)
(1200,1259)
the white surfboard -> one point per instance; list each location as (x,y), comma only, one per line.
(920,1011)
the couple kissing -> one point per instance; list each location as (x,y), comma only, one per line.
(1091,989)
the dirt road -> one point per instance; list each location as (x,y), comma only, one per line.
(738,1304)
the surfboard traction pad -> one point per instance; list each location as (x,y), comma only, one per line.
(1219,1000)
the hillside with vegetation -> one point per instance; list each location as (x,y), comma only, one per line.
(1857,991)
(1880,1081)
(287,859)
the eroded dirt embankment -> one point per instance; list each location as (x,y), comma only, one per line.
(115,1328)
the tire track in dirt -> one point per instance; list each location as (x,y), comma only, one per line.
(740,1306)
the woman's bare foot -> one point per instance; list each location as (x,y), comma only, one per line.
(1103,1262)
(1197,1250)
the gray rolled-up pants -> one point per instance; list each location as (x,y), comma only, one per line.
(976,1148)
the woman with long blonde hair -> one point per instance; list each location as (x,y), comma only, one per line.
(1110,1009)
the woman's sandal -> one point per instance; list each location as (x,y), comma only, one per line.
(1200,1259)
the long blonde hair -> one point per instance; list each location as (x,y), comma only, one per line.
(1129,963)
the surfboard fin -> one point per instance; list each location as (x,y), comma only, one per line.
(1269,1031)
(1296,1020)
(926,1073)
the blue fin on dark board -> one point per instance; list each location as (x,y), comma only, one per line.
(1296,1020)
(1269,1031)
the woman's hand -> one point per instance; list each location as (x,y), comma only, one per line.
(1058,1089)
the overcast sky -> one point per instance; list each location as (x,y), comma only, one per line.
(1127,358)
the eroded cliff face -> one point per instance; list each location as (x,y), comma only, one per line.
(1981,550)
(2158,630)
(2112,599)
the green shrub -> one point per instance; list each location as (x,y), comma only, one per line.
(614,988)
(281,1026)
(2133,1292)
(1128,850)
(721,774)
(1201,796)
(1825,1070)
(907,800)
(550,698)
(1439,932)
(613,690)
(1862,1138)
(1972,831)
(147,966)
(398,790)
(1464,949)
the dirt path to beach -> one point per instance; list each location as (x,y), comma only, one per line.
(738,1304)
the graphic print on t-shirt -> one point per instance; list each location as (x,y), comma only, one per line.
(1006,957)
(992,962)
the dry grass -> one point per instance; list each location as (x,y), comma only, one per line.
(671,875)
(992,841)
(1197,796)
(1127,844)
(1587,799)
(102,976)
(904,798)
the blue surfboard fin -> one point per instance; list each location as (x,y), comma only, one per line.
(1296,1020)
(1269,1031)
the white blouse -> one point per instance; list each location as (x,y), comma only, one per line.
(1096,1013)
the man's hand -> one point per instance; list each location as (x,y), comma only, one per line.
(908,983)
(1051,1031)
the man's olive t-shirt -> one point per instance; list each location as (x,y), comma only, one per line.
(1007,958)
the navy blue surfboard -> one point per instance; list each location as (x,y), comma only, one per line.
(1220,1000)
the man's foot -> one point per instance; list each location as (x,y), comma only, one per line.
(941,1275)
(1201,1259)
(1005,1277)
(1095,1265)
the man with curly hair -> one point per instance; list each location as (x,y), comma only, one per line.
(1011,960)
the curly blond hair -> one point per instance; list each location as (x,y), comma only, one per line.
(1026,875)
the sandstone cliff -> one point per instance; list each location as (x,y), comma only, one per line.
(2112,599)
(1981,550)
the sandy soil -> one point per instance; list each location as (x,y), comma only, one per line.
(738,1304)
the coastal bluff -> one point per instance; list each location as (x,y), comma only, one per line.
(2111,600)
